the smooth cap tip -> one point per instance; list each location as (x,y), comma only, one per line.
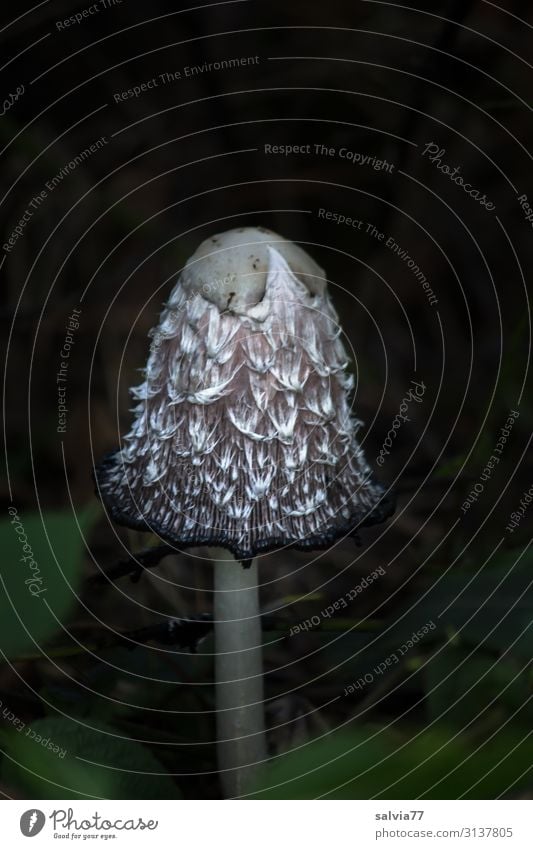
(230,269)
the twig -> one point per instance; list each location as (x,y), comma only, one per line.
(135,565)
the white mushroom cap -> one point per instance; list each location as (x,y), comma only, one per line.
(230,269)
(244,435)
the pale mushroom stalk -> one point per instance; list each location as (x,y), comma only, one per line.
(241,741)
(244,440)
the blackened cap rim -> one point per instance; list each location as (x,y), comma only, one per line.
(359,519)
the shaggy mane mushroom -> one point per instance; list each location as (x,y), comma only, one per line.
(244,440)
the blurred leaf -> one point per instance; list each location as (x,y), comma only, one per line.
(372,762)
(490,606)
(33,592)
(48,761)
(464,688)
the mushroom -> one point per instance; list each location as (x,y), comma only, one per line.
(244,440)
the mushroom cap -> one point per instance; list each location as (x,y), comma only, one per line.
(243,434)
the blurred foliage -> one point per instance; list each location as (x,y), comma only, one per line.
(446,719)
(55,543)
(92,763)
(372,762)
(466,688)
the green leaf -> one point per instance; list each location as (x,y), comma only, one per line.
(373,762)
(40,574)
(58,758)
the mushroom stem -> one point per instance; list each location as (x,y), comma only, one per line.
(241,742)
